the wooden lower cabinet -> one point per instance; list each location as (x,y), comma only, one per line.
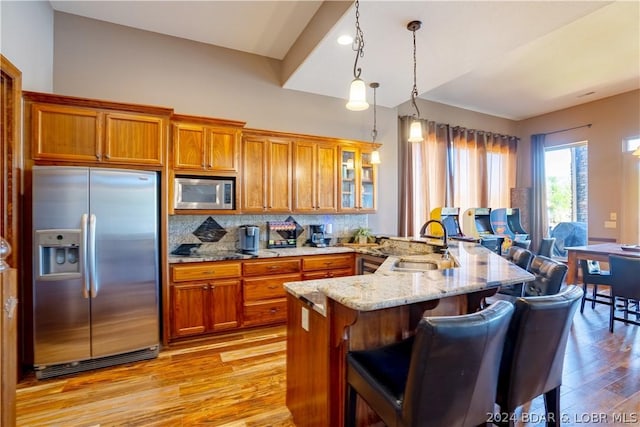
(264,297)
(205,297)
(208,297)
(203,307)
(328,266)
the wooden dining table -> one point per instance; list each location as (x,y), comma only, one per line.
(599,252)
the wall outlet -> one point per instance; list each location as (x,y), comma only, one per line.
(305,319)
(613,216)
(609,224)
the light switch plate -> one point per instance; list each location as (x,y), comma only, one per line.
(613,216)
(305,319)
(609,224)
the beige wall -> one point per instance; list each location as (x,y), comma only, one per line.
(99,60)
(613,179)
(95,59)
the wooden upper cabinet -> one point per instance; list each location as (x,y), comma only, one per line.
(80,130)
(133,138)
(266,174)
(358,182)
(315,182)
(66,133)
(201,144)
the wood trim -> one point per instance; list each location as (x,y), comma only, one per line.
(307,138)
(8,347)
(95,103)
(208,121)
(10,157)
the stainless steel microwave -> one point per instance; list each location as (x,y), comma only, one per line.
(204,193)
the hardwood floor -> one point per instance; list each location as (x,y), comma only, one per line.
(239,380)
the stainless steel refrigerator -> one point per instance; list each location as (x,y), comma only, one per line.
(95,272)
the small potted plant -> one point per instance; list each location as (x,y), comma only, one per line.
(362,235)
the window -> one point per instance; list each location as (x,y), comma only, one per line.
(566,183)
(631,144)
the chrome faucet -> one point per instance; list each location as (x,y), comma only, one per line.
(445,242)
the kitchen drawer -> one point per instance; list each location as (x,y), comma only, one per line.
(271,266)
(267,288)
(261,313)
(205,271)
(327,274)
(327,262)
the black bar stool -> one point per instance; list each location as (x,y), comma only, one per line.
(444,376)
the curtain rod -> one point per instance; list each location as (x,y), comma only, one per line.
(564,130)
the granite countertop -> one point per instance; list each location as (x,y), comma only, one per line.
(222,255)
(477,268)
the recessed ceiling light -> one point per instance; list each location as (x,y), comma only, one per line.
(345,39)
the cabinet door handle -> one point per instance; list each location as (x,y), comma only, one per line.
(273,310)
(106,156)
(205,287)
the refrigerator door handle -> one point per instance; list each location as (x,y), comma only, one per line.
(93,279)
(84,266)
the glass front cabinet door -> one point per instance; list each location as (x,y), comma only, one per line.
(357,180)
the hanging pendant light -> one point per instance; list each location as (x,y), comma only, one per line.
(375,155)
(358,90)
(637,152)
(415,131)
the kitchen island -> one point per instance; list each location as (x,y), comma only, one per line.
(328,318)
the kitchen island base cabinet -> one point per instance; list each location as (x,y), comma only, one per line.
(307,364)
(317,347)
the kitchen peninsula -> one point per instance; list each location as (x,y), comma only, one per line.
(327,318)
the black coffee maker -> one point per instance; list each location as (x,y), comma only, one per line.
(249,238)
(316,236)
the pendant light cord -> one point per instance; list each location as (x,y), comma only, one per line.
(414,92)
(374,132)
(358,43)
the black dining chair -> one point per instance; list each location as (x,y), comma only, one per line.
(444,376)
(594,276)
(525,244)
(534,350)
(522,258)
(549,275)
(546,246)
(625,288)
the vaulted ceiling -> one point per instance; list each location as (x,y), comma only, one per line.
(513,59)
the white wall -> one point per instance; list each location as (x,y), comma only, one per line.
(26,39)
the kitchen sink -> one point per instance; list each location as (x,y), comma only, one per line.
(419,265)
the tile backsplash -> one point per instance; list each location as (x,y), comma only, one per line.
(220,232)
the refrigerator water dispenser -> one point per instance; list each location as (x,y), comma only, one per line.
(58,254)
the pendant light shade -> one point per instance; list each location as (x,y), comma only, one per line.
(357,96)
(415,131)
(375,157)
(358,90)
(637,152)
